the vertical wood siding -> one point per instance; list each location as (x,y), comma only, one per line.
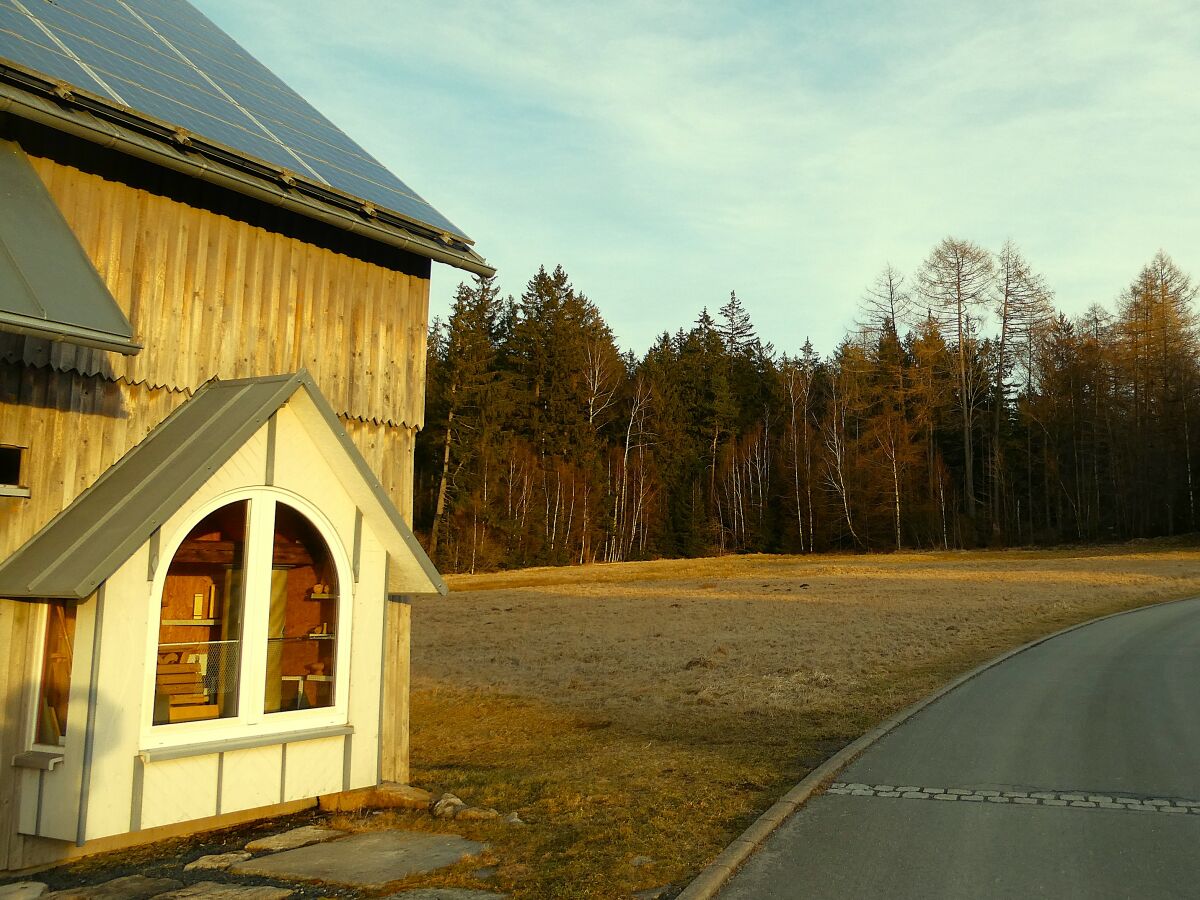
(220,295)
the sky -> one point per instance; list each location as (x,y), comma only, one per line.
(667,153)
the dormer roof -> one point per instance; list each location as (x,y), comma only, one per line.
(105,525)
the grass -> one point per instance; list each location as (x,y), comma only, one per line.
(653,710)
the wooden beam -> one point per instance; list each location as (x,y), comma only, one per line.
(393,737)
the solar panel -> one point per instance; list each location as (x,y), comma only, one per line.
(164,59)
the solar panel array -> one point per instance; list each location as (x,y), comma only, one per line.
(166,60)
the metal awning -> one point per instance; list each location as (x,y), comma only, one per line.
(48,286)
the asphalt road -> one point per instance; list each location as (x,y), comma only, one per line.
(1103,723)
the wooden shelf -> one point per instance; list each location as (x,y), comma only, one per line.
(322,596)
(191,621)
(321,637)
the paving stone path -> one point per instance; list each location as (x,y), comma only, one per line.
(1077,799)
(367,860)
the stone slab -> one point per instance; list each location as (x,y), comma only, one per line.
(446,894)
(370,860)
(22,890)
(211,890)
(218,860)
(297,837)
(131,887)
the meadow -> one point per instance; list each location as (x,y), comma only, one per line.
(638,716)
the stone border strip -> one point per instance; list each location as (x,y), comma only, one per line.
(1079,799)
(713,877)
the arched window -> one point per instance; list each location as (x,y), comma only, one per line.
(198,666)
(302,626)
(250,610)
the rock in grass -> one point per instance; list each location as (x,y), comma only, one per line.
(513,819)
(217,860)
(476,814)
(447,806)
(638,861)
(385,796)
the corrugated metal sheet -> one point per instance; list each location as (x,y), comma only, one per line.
(48,286)
(105,525)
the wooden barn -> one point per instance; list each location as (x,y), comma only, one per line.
(213,312)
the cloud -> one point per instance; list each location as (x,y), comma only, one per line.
(668,152)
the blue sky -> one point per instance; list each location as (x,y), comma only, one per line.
(666,153)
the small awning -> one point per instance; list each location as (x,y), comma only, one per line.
(89,540)
(48,286)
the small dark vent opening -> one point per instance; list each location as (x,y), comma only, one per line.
(10,465)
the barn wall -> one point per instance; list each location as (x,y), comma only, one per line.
(216,284)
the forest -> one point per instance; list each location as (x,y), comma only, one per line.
(963,410)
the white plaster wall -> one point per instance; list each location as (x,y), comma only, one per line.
(123,671)
(177,790)
(301,468)
(313,768)
(252,778)
(366,663)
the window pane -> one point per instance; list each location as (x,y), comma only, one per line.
(56,673)
(302,625)
(200,631)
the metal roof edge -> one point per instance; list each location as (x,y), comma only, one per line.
(85,337)
(148,139)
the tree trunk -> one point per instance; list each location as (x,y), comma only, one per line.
(443,481)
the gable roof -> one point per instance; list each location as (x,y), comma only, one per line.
(48,286)
(159,67)
(89,540)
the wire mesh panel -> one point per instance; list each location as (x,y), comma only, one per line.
(196,680)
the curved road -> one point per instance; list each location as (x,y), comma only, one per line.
(1070,770)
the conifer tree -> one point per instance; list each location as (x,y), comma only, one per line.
(954,281)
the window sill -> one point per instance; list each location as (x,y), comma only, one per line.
(45,760)
(12,490)
(205,748)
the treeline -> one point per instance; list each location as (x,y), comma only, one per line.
(962,411)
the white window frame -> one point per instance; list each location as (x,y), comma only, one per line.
(251,720)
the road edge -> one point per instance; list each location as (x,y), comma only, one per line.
(714,876)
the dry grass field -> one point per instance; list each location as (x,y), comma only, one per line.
(649,711)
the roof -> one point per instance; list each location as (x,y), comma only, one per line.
(159,67)
(105,525)
(48,286)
